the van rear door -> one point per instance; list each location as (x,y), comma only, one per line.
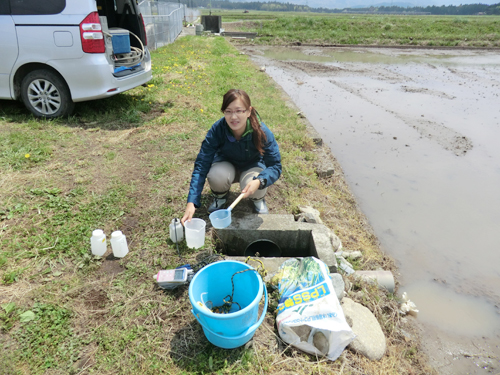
(125,36)
(124,14)
(8,49)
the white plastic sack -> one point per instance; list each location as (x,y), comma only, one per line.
(407,306)
(309,313)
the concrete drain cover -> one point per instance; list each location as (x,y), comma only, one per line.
(275,238)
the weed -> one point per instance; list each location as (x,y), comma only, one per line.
(110,155)
(21,150)
(410,353)
(12,276)
(10,212)
(7,316)
(47,340)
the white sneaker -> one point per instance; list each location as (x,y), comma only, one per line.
(260,206)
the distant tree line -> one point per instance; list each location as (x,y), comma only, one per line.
(462,10)
(273,6)
(467,9)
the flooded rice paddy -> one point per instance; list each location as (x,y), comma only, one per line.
(417,132)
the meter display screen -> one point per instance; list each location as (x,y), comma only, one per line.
(172,276)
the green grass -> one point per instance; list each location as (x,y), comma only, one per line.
(350,29)
(46,339)
(26,146)
(63,221)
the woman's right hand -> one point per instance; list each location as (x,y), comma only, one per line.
(188,215)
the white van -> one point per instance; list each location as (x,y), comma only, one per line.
(55,53)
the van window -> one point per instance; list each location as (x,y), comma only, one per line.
(4,7)
(36,7)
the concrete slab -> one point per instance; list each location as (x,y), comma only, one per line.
(295,239)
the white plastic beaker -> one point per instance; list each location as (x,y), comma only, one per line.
(195,233)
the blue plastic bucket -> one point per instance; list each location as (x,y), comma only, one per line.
(213,284)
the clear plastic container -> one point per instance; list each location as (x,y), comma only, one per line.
(119,244)
(195,233)
(98,243)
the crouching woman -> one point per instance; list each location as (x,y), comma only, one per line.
(238,148)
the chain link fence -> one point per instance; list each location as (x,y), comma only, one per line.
(164,21)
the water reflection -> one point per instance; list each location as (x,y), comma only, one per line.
(451,312)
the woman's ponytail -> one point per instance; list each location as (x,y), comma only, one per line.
(259,137)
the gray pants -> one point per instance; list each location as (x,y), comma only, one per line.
(223,174)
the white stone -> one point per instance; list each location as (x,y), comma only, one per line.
(311,215)
(335,240)
(370,340)
(356,254)
(338,285)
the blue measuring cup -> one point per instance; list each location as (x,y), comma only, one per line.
(222,218)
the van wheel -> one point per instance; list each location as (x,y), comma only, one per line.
(46,95)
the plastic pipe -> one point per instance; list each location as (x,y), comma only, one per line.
(384,279)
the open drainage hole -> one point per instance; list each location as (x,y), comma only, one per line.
(262,248)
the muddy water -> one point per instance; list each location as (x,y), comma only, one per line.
(417,133)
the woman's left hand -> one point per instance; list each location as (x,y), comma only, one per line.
(251,188)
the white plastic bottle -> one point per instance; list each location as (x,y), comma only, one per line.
(119,244)
(176,231)
(98,242)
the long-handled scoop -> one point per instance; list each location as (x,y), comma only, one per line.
(222,218)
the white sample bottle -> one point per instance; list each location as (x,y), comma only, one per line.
(98,242)
(176,231)
(119,244)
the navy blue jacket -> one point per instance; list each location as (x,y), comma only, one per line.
(220,145)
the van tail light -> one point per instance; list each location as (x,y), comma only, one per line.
(91,34)
(145,34)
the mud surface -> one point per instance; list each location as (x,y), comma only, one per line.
(416,133)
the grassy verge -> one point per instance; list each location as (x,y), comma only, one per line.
(125,163)
(378,30)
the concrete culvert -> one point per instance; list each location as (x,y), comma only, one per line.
(263,248)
